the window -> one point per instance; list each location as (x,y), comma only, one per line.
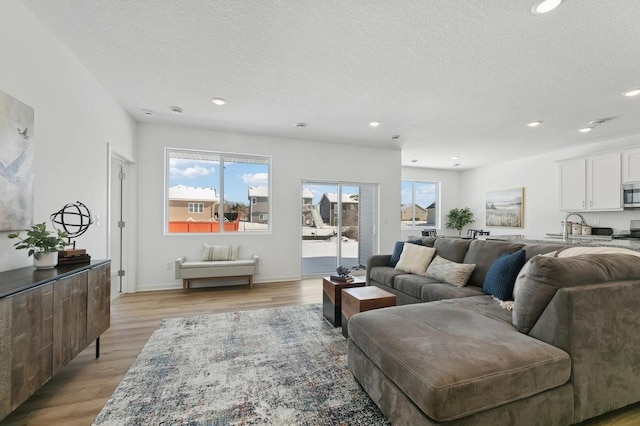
(228,192)
(420,204)
(196,207)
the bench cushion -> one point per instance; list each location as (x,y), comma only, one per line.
(453,358)
(216,263)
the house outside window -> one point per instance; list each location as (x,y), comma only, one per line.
(206,191)
(420,204)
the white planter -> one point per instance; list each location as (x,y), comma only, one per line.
(45,260)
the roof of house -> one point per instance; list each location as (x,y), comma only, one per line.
(407,206)
(258,191)
(346,198)
(306,193)
(191,193)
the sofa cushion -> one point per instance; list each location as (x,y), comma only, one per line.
(415,259)
(384,274)
(219,252)
(441,291)
(412,284)
(191,264)
(545,275)
(452,249)
(449,272)
(483,253)
(453,359)
(502,275)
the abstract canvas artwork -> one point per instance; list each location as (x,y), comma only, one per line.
(16,164)
(505,208)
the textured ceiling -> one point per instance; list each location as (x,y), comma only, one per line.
(452,78)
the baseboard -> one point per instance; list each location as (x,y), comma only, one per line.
(178,285)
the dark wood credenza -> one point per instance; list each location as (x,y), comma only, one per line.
(47,317)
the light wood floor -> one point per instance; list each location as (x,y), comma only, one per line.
(77,394)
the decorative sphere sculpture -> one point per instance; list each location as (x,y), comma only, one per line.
(73,218)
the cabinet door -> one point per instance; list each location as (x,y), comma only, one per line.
(69,319)
(572,185)
(604,184)
(29,329)
(631,166)
(98,301)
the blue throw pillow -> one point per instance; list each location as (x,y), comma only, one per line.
(397,251)
(502,275)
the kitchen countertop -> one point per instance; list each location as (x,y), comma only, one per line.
(597,241)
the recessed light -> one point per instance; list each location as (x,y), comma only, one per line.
(147,111)
(631,93)
(374,124)
(176,110)
(301,124)
(455,157)
(534,123)
(545,6)
(218,101)
(586,129)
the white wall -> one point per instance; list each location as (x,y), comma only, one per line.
(75,118)
(540,178)
(292,162)
(449,195)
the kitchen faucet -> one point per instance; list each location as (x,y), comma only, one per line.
(564,229)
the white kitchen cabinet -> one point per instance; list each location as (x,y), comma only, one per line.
(591,183)
(573,187)
(631,165)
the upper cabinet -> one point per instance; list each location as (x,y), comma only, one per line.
(631,165)
(591,183)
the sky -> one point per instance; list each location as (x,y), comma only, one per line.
(426,193)
(205,174)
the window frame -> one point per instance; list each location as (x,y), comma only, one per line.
(230,157)
(438,209)
(192,210)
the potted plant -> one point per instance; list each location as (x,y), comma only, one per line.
(42,244)
(459,218)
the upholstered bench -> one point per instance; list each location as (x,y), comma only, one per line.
(190,270)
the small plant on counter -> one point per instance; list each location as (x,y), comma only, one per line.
(39,240)
(459,218)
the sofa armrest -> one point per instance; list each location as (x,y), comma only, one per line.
(376,260)
(256,261)
(177,266)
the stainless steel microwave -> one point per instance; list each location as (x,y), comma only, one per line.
(631,195)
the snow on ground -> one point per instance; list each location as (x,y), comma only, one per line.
(328,247)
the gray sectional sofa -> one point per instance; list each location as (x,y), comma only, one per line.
(569,349)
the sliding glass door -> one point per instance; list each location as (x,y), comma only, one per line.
(339,226)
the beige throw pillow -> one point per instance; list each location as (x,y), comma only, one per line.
(449,272)
(415,259)
(219,252)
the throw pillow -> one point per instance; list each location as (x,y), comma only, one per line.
(397,251)
(415,259)
(518,284)
(502,275)
(576,251)
(219,252)
(449,272)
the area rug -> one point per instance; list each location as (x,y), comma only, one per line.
(283,366)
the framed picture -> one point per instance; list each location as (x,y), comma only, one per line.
(505,208)
(16,164)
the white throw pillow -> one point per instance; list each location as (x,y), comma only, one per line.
(219,252)
(449,272)
(415,259)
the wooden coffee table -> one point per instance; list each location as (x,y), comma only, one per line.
(332,296)
(355,300)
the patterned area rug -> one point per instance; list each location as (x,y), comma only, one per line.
(283,366)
